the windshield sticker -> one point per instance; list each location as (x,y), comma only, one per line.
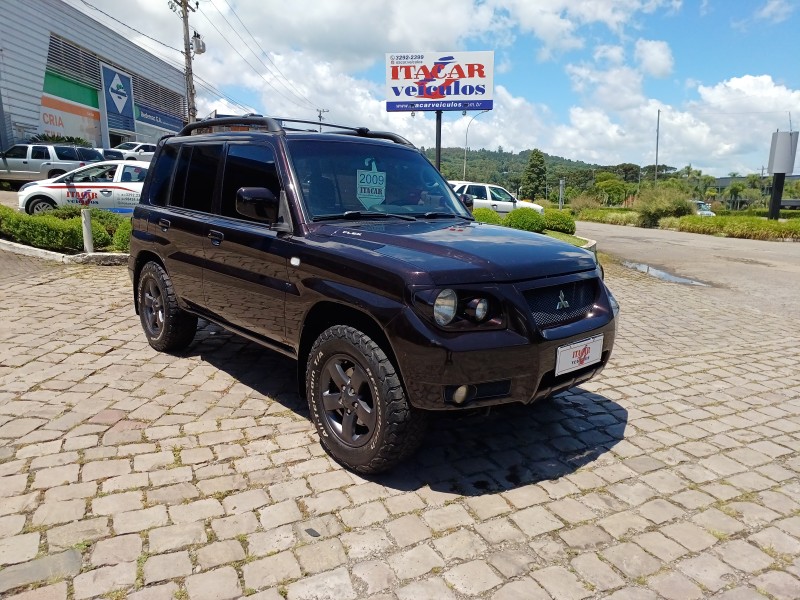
(371,186)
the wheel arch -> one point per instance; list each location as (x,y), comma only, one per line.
(142,259)
(40,196)
(327,314)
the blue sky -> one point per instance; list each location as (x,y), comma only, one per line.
(583,79)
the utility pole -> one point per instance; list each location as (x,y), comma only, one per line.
(320,111)
(182,8)
(658,126)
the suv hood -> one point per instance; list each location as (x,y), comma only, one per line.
(464,252)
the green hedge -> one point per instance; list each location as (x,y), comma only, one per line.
(753,228)
(610,216)
(49,231)
(487,215)
(526,219)
(758,212)
(559,220)
(121,241)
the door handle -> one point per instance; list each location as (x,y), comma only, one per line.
(216,237)
(494,206)
(105,192)
(164,224)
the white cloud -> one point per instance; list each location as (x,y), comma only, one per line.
(775,11)
(614,55)
(654,57)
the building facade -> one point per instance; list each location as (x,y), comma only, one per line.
(63,73)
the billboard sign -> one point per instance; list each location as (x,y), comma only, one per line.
(439,81)
(157,118)
(118,94)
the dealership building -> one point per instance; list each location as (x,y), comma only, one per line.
(63,73)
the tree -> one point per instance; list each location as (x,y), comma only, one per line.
(733,191)
(534,176)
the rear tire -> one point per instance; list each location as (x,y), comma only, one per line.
(358,404)
(40,205)
(167,327)
(55,173)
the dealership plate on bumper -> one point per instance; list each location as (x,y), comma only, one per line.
(579,354)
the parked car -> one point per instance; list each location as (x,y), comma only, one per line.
(487,195)
(113,185)
(136,150)
(111,154)
(34,162)
(349,252)
(702,209)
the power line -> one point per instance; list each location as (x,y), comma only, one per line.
(256,71)
(264,52)
(129,27)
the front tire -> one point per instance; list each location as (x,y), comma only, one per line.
(167,327)
(40,205)
(358,404)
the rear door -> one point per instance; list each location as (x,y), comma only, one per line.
(246,272)
(180,226)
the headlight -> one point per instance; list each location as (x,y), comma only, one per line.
(477,309)
(444,307)
(613,302)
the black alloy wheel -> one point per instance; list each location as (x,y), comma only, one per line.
(166,326)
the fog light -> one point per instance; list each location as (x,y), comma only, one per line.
(463,394)
(477,309)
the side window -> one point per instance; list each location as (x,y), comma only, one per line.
(149,148)
(159,184)
(477,191)
(133,174)
(40,153)
(247,166)
(66,153)
(196,176)
(17,152)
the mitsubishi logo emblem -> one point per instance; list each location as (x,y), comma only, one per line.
(562,301)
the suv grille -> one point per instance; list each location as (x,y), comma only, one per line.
(549,309)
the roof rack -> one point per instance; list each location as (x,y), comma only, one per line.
(277,125)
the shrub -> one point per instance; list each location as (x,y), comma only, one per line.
(109,220)
(526,219)
(655,204)
(583,202)
(487,215)
(49,232)
(611,216)
(559,220)
(753,228)
(121,241)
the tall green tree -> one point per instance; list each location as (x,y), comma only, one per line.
(534,176)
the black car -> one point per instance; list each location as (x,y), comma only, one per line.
(349,252)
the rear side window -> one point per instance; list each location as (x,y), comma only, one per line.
(67,153)
(196,176)
(477,191)
(17,152)
(40,153)
(162,175)
(89,154)
(248,166)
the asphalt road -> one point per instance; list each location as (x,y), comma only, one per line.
(765,276)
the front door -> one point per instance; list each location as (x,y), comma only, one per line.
(246,263)
(15,163)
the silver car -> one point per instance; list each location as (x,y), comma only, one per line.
(34,162)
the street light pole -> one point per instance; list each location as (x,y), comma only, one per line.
(466,137)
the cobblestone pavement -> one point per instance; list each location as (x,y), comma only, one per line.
(128,473)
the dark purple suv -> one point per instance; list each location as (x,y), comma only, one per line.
(349,252)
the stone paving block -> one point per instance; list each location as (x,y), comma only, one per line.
(55,476)
(499,531)
(245,501)
(103,469)
(238,524)
(415,562)
(173,494)
(512,563)
(125,482)
(585,537)
(596,572)
(70,492)
(461,545)
(279,514)
(560,583)
(19,548)
(13,485)
(773,539)
(536,520)
(66,536)
(11,525)
(631,560)
(198,510)
(743,556)
(779,585)
(64,564)
(674,586)
(472,578)
(170,476)
(433,587)
(364,515)
(375,575)
(173,537)
(53,513)
(56,591)
(322,556)
(272,541)
(167,566)
(220,584)
(660,546)
(708,571)
(219,553)
(271,571)
(408,530)
(366,543)
(117,503)
(116,550)
(331,585)
(165,591)
(103,580)
(689,535)
(522,589)
(660,511)
(140,520)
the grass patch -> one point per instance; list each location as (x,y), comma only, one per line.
(570,239)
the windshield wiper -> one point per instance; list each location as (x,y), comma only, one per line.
(445,215)
(356,215)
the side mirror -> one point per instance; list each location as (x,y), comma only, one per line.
(257,203)
(467,200)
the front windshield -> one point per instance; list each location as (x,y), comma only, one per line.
(350,176)
(126,146)
(499,193)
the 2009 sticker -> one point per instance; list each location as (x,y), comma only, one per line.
(371,186)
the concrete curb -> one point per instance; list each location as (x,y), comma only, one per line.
(590,245)
(88,258)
